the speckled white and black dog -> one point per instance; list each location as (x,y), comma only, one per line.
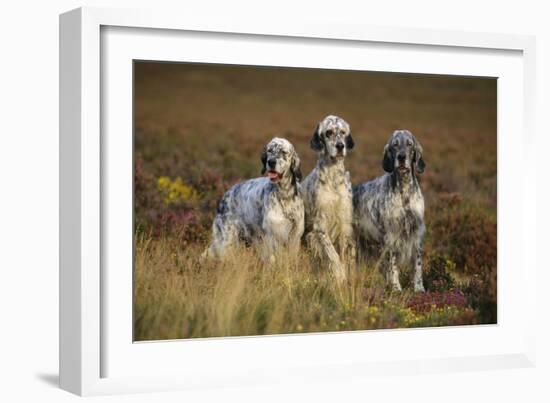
(267,212)
(389,211)
(328,198)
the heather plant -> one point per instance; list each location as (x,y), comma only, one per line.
(437,276)
(465,233)
(481,291)
(428,301)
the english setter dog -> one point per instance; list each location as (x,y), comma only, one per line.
(266,211)
(389,210)
(327,197)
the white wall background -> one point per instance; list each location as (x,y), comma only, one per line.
(29,196)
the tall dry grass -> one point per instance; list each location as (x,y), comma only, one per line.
(176,296)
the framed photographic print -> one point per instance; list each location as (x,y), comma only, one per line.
(237,198)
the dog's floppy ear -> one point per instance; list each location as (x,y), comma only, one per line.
(388,162)
(420,165)
(295,167)
(316,143)
(349,142)
(264,159)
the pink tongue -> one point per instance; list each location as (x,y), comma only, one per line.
(272,175)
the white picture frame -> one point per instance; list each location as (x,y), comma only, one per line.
(96,354)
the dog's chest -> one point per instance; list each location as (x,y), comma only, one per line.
(334,198)
(405,216)
(284,218)
(335,208)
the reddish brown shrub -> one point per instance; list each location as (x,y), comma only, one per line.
(424,302)
(481,292)
(464,232)
(437,275)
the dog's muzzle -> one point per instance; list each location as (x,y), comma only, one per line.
(274,176)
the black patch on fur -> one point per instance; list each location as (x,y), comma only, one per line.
(295,168)
(349,142)
(388,162)
(222,207)
(420,165)
(263,158)
(316,143)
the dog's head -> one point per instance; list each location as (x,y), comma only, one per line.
(403,154)
(280,159)
(332,137)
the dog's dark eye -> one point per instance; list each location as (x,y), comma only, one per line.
(328,133)
(395,143)
(409,143)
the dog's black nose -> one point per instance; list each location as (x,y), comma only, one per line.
(272,163)
(401,157)
(340,146)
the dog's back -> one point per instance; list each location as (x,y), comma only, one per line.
(243,205)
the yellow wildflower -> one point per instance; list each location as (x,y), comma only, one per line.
(176,191)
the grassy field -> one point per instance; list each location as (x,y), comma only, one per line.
(200,128)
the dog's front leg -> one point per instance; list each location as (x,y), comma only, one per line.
(268,249)
(392,274)
(323,249)
(348,250)
(417,270)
